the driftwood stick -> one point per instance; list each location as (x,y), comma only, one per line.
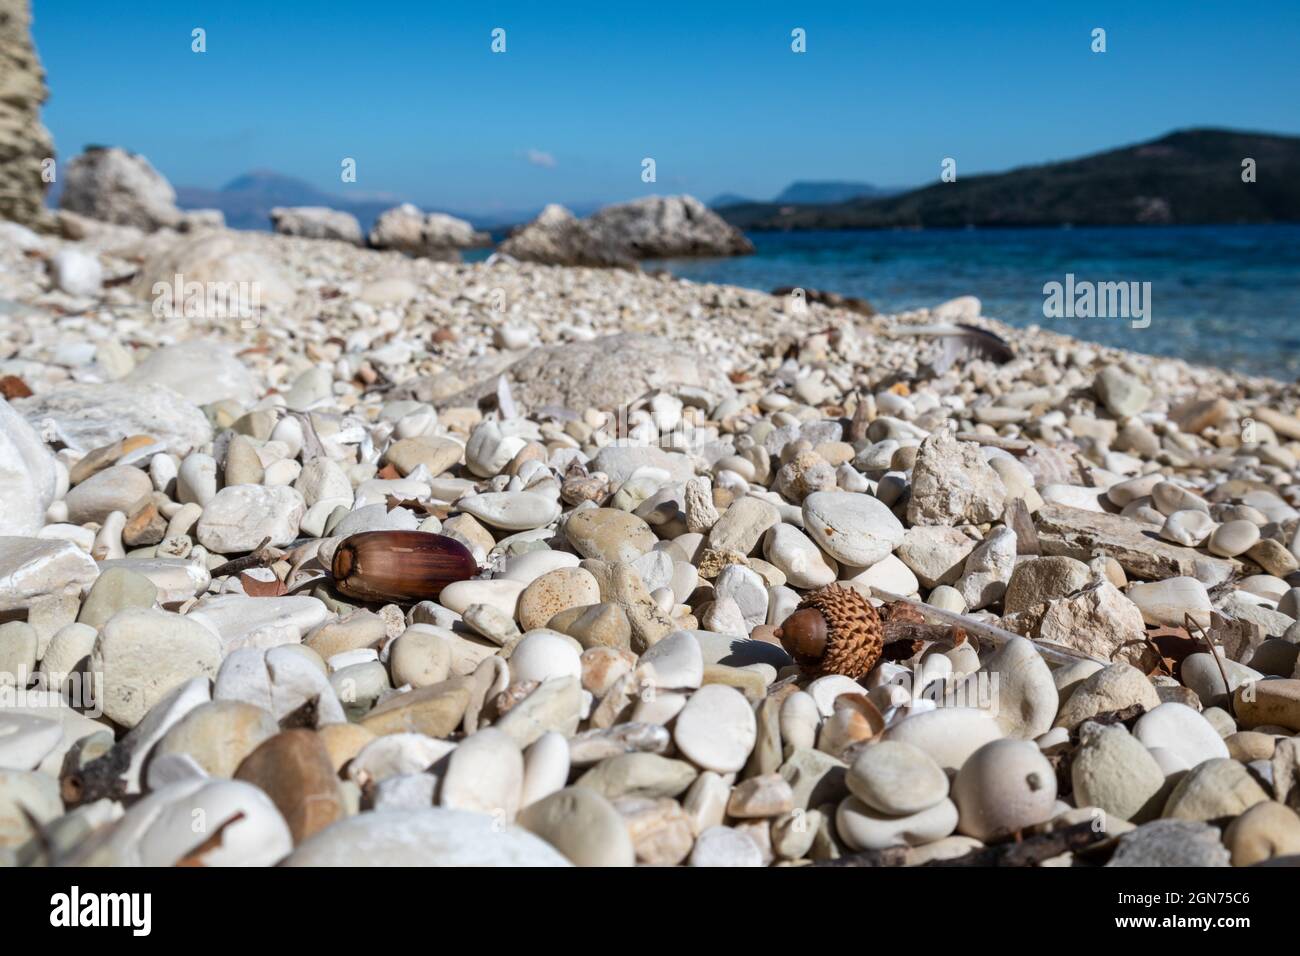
(990,632)
(889,856)
(1026,851)
(259,557)
(1029,851)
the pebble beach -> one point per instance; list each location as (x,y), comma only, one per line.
(1077,566)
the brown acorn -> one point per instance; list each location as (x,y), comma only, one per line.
(834,630)
(403,566)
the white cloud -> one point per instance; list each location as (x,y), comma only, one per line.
(539,158)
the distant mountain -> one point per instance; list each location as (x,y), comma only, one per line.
(1187,177)
(812,193)
(727,199)
(247,200)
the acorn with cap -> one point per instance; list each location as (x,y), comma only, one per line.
(834,630)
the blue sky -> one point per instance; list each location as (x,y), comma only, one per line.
(711,91)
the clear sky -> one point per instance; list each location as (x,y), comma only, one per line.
(585,91)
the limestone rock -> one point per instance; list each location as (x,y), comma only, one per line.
(316,222)
(604,373)
(85,416)
(112,185)
(24,142)
(953,484)
(433,235)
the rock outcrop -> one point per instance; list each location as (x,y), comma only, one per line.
(432,235)
(316,222)
(606,372)
(664,227)
(112,185)
(24,143)
(558,237)
(656,227)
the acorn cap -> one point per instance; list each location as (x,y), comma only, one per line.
(854,636)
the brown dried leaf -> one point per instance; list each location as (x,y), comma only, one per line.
(256,587)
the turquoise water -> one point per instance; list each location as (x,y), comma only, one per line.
(1227,296)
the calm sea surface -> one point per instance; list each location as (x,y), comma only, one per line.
(1220,295)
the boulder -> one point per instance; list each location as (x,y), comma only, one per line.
(316,222)
(604,373)
(86,416)
(434,235)
(654,227)
(662,227)
(112,185)
(557,237)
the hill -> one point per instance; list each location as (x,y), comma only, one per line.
(247,200)
(812,193)
(1187,177)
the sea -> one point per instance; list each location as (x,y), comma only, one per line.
(1226,296)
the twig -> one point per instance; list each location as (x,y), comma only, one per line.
(991,632)
(1029,851)
(889,856)
(259,557)
(1188,623)
(1023,851)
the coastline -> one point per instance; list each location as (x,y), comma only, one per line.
(1203,281)
(746,318)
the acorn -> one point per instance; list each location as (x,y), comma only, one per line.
(834,630)
(401,566)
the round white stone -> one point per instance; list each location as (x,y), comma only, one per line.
(675,662)
(889,574)
(531,565)
(1233,538)
(546,767)
(948,734)
(500,593)
(803,563)
(1189,528)
(1181,731)
(1163,603)
(854,529)
(432,837)
(746,588)
(716,729)
(1003,787)
(863,828)
(542,655)
(723,846)
(512,510)
(824,690)
(896,779)
(485,773)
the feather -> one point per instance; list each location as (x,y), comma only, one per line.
(959,341)
(506,400)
